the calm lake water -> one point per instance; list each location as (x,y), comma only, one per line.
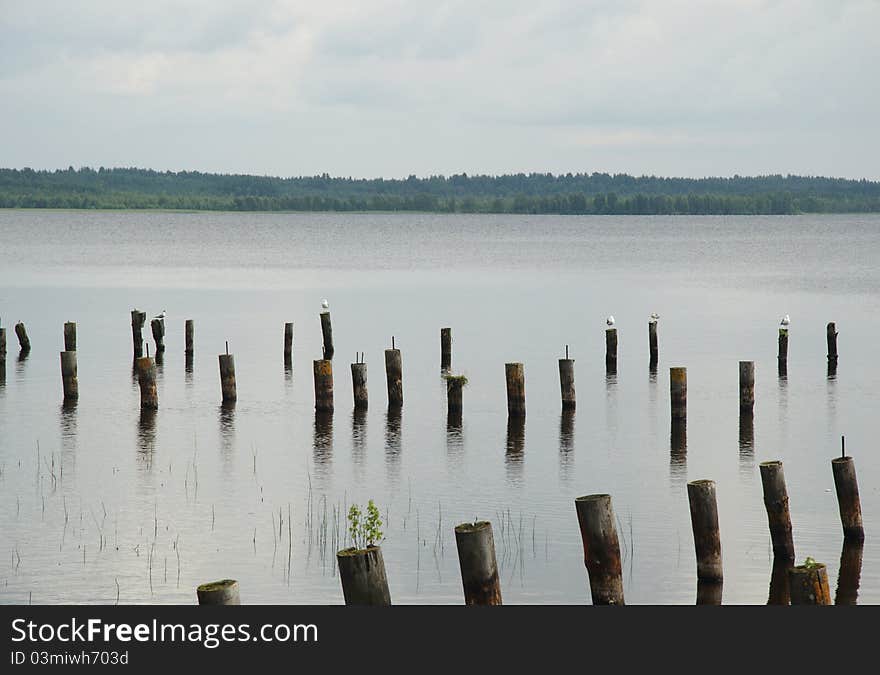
(96,496)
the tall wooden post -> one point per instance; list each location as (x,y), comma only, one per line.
(323,374)
(394,377)
(227,377)
(70,336)
(146,372)
(445,349)
(188,336)
(362,573)
(831,337)
(809,584)
(223,592)
(601,548)
(782,357)
(359,385)
(68,376)
(158,328)
(476,558)
(288,344)
(847,488)
(678,390)
(704,522)
(327,332)
(566,382)
(516,389)
(23,340)
(137,337)
(746,387)
(611,350)
(776,503)
(454,386)
(653,349)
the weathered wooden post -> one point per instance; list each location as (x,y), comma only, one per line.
(68,376)
(323,374)
(2,355)
(601,548)
(188,335)
(394,376)
(746,387)
(445,349)
(847,488)
(146,373)
(158,328)
(850,572)
(454,386)
(516,389)
(782,357)
(704,522)
(327,332)
(23,340)
(359,385)
(831,337)
(653,349)
(776,503)
(288,344)
(223,592)
(808,584)
(476,558)
(70,336)
(611,350)
(566,382)
(779,593)
(709,592)
(137,326)
(227,376)
(362,573)
(678,392)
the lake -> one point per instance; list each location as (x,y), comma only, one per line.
(99,505)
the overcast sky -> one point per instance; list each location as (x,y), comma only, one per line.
(385,88)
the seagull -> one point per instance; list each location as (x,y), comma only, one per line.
(786,320)
(160,316)
(654,317)
(325,304)
(610,320)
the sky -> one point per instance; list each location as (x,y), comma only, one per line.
(389,88)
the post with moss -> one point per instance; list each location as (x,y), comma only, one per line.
(476,558)
(445,349)
(138,319)
(847,488)
(653,349)
(323,374)
(158,328)
(362,573)
(601,548)
(394,377)
(68,376)
(24,341)
(223,592)
(516,389)
(611,350)
(776,503)
(359,385)
(146,374)
(746,387)
(288,344)
(566,382)
(227,377)
(327,332)
(678,392)
(70,336)
(808,584)
(704,522)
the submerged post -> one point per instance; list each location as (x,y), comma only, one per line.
(146,372)
(476,558)
(831,337)
(288,343)
(746,387)
(394,377)
(188,334)
(611,350)
(23,340)
(808,584)
(327,332)
(847,488)
(323,374)
(516,389)
(704,522)
(678,391)
(137,325)
(566,382)
(227,377)
(776,503)
(223,592)
(362,573)
(601,548)
(68,376)
(158,328)
(70,336)
(359,385)
(445,349)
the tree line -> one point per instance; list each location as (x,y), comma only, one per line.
(596,193)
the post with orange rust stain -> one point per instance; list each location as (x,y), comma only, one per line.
(678,393)
(323,373)
(601,548)
(809,584)
(146,372)
(516,389)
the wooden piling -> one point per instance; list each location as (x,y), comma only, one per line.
(831,337)
(445,349)
(779,592)
(158,328)
(611,350)
(68,376)
(327,332)
(808,584)
(454,386)
(288,343)
(223,592)
(362,573)
(678,390)
(653,350)
(23,340)
(709,592)
(566,383)
(323,374)
(394,377)
(70,336)
(137,325)
(847,487)
(227,377)
(746,387)
(359,385)
(783,346)
(601,548)
(776,503)
(476,558)
(516,389)
(188,334)
(146,372)
(704,522)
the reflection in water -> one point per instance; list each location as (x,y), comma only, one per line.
(678,452)
(67,425)
(831,399)
(393,420)
(709,592)
(2,371)
(188,370)
(747,443)
(323,439)
(359,442)
(516,439)
(454,437)
(288,370)
(146,435)
(566,444)
(779,590)
(227,429)
(160,365)
(850,572)
(19,365)
(782,370)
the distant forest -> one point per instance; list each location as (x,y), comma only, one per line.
(582,193)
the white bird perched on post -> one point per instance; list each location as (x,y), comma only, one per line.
(610,320)
(786,320)
(160,316)
(654,317)
(325,304)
